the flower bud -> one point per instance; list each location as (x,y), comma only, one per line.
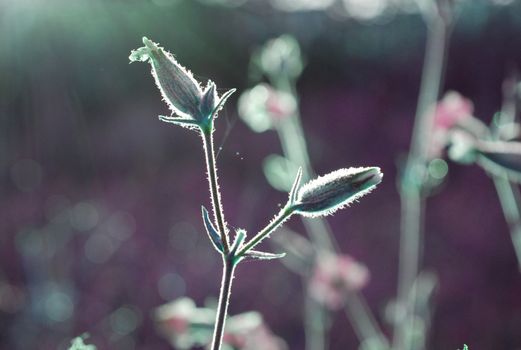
(328,193)
(180,90)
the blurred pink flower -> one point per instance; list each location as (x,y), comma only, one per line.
(187,326)
(183,324)
(249,332)
(263,107)
(450,111)
(333,276)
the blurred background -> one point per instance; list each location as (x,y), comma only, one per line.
(100,201)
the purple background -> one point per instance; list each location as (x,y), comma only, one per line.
(70,102)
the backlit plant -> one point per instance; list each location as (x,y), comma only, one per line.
(197,109)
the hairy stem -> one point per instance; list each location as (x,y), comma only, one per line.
(224,298)
(412,199)
(215,194)
(278,220)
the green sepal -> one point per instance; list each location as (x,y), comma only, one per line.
(221,103)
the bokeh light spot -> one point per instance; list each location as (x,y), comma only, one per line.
(85,216)
(438,168)
(58,306)
(124,320)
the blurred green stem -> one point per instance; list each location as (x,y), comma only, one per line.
(294,147)
(411,196)
(315,322)
(359,315)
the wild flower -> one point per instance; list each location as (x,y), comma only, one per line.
(280,57)
(468,140)
(187,326)
(334,276)
(452,110)
(262,107)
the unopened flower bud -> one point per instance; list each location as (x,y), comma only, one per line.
(180,90)
(328,193)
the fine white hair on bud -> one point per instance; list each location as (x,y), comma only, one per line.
(326,194)
(178,87)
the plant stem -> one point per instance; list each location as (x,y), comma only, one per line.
(209,151)
(412,199)
(224,297)
(228,261)
(278,220)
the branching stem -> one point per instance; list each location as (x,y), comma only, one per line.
(282,216)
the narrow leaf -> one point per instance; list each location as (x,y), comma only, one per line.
(184,122)
(211,231)
(257,255)
(295,186)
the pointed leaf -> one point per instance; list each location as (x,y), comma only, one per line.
(184,122)
(295,186)
(211,231)
(257,255)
